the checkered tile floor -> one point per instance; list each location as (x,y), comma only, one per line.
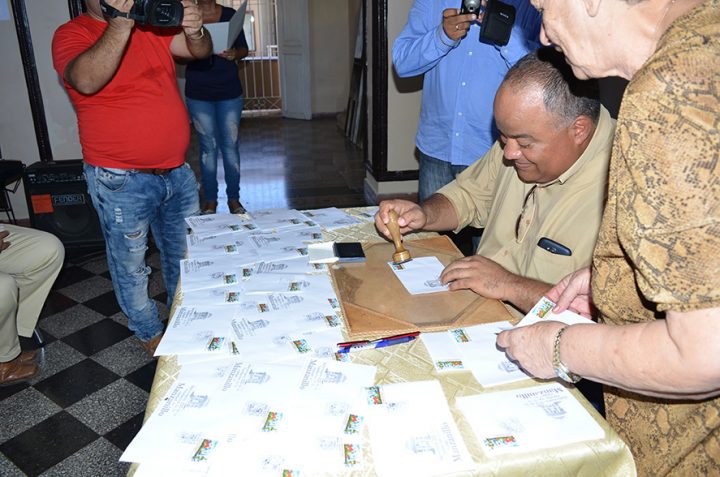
(88,400)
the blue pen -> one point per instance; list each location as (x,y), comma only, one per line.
(380,343)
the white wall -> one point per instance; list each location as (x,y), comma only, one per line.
(17,137)
(17,133)
(44,17)
(404,96)
(331,43)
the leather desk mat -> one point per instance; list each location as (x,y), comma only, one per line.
(375,302)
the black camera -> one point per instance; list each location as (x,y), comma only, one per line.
(497,21)
(162,13)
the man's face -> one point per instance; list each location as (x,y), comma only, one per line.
(567,26)
(538,147)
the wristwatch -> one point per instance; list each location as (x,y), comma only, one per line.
(561,370)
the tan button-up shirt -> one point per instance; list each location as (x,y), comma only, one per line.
(567,210)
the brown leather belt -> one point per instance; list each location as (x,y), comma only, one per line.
(156,171)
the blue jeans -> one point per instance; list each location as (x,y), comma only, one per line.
(129,205)
(218,126)
(434,174)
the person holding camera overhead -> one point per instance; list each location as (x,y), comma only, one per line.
(116,62)
(214,97)
(462,75)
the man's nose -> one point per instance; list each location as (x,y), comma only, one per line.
(511,150)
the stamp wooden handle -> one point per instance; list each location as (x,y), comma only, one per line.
(395,230)
(400,255)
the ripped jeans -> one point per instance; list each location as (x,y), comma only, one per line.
(129,205)
(218,126)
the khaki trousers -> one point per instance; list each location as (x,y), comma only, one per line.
(28,268)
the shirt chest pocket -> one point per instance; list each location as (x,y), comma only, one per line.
(550,267)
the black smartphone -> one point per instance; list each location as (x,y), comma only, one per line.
(471,6)
(554,247)
(349,251)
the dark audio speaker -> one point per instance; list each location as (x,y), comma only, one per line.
(59,203)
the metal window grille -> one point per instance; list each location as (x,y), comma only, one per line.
(260,71)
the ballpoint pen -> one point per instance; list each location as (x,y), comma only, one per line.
(378,343)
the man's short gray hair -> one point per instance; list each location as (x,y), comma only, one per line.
(563,95)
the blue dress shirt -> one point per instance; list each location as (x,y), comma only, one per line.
(456,119)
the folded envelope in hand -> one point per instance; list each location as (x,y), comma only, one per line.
(375,303)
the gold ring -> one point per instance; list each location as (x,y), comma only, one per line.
(457,27)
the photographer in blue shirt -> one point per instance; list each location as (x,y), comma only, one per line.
(462,75)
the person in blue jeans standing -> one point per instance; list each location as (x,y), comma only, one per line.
(461,76)
(214,97)
(134,131)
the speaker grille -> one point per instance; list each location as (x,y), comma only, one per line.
(59,203)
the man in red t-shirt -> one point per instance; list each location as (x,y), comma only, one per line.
(134,131)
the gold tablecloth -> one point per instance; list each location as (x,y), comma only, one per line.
(411,362)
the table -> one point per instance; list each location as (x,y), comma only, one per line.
(411,362)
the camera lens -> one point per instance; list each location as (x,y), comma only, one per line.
(164,12)
(472,6)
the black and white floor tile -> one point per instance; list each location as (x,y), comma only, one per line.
(83,407)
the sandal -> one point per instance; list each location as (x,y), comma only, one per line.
(236,207)
(208,208)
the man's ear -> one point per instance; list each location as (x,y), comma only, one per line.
(582,129)
(592,7)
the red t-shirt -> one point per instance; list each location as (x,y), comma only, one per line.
(138,120)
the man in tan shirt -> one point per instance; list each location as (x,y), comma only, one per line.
(545,178)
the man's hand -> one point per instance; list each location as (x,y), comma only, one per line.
(455,25)
(193,43)
(479,274)
(3,243)
(120,23)
(410,216)
(192,20)
(531,347)
(573,293)
(490,279)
